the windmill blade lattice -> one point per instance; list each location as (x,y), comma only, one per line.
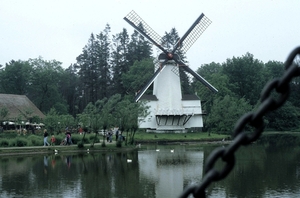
(135,20)
(201,24)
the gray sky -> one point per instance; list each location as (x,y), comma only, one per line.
(59,29)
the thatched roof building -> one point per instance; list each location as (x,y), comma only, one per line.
(19,107)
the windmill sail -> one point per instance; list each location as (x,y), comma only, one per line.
(193,33)
(147,85)
(200,78)
(135,20)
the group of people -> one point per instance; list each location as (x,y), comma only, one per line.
(117,132)
(68,138)
(66,141)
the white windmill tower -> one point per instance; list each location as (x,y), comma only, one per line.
(169,109)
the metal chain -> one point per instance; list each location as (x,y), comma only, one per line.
(253,119)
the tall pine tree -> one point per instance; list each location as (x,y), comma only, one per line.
(120,63)
(94,67)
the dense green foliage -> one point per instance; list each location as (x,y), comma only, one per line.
(240,82)
(97,91)
(12,139)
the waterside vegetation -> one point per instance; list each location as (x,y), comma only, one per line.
(97,92)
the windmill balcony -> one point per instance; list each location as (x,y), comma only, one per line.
(185,111)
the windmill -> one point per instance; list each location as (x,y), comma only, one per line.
(169,109)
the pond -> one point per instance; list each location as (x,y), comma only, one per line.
(154,171)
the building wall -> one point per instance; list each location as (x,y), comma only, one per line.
(188,107)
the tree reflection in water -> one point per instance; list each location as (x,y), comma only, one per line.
(259,172)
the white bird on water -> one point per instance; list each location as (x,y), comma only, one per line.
(56,151)
(129,160)
(172,150)
(157,150)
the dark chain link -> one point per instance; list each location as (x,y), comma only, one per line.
(253,119)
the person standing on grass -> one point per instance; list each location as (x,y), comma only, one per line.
(46,143)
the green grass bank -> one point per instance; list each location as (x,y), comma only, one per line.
(14,143)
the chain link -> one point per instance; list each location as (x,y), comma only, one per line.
(255,120)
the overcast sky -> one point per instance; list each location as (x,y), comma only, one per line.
(59,29)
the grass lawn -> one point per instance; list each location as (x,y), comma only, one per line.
(196,136)
(26,144)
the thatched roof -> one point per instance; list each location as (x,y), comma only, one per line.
(19,106)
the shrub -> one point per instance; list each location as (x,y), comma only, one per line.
(80,145)
(92,137)
(76,139)
(119,143)
(4,143)
(85,140)
(33,140)
(9,135)
(19,141)
(59,139)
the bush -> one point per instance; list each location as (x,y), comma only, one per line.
(58,140)
(4,143)
(20,142)
(119,143)
(9,135)
(85,140)
(92,137)
(33,140)
(80,145)
(77,138)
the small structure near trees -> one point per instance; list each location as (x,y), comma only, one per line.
(19,110)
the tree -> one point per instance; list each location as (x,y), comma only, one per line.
(70,89)
(3,114)
(15,77)
(225,112)
(44,86)
(52,121)
(137,76)
(246,77)
(274,69)
(119,61)
(139,48)
(285,118)
(128,112)
(125,53)
(104,83)
(94,67)
(67,121)
(213,74)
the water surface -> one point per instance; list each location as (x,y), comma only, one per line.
(152,172)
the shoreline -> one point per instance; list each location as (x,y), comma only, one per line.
(5,151)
